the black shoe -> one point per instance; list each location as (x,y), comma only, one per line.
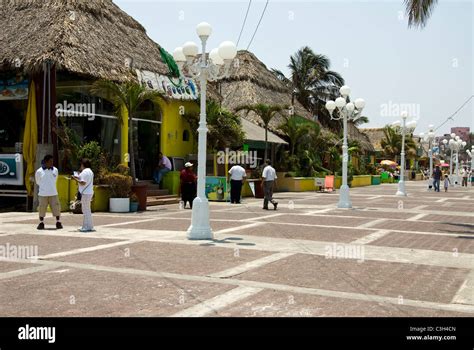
(40,226)
(59,225)
(275,205)
(265,208)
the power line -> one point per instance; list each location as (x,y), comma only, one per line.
(243,24)
(258,25)
(457,111)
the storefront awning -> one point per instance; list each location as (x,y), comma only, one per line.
(254,132)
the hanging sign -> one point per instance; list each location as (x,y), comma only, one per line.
(15,88)
(175,88)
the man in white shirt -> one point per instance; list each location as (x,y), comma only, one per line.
(164,166)
(268,182)
(237,177)
(46,178)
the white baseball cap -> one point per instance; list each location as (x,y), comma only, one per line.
(188,164)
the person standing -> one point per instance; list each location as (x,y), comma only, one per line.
(437,175)
(85,179)
(46,178)
(465,175)
(188,184)
(237,178)
(447,182)
(164,166)
(268,182)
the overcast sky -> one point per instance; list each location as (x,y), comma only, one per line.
(429,72)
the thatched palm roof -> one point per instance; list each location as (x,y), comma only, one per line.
(87,37)
(355,134)
(375,136)
(251,82)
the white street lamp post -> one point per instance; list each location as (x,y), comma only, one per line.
(455,145)
(429,138)
(205,69)
(471,155)
(346,111)
(403,127)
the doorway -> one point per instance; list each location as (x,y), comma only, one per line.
(147,126)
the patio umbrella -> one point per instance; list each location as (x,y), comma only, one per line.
(30,139)
(389,163)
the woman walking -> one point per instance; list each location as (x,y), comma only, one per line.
(188,184)
(85,179)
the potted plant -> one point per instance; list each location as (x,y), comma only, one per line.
(120,187)
(133,203)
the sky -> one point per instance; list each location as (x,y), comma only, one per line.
(427,72)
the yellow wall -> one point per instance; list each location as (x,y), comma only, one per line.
(172,127)
(361,180)
(124,137)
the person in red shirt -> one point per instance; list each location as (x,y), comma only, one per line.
(188,184)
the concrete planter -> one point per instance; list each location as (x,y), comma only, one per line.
(119,205)
(375,180)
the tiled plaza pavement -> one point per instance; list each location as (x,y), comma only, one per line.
(389,256)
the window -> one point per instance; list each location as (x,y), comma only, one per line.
(185,135)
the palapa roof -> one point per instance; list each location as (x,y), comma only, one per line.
(355,134)
(251,82)
(375,136)
(87,37)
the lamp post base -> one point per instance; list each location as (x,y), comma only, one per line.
(200,227)
(401,189)
(344,198)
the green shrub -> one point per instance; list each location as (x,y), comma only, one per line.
(120,185)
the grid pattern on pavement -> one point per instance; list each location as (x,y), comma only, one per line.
(390,256)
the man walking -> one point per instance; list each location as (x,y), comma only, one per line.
(164,166)
(237,177)
(268,182)
(437,175)
(46,178)
(465,175)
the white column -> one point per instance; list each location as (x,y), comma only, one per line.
(200,226)
(401,183)
(430,154)
(344,195)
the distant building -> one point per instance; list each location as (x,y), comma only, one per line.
(462,132)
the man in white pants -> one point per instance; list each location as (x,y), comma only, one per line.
(85,180)
(268,182)
(46,178)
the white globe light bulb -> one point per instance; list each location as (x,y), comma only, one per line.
(359,103)
(204,30)
(350,107)
(340,102)
(345,90)
(330,106)
(190,49)
(215,57)
(227,50)
(178,55)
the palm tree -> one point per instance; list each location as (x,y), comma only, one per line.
(361,120)
(129,95)
(419,11)
(266,114)
(296,128)
(225,128)
(392,144)
(312,83)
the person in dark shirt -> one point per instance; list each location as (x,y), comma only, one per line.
(437,175)
(188,184)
